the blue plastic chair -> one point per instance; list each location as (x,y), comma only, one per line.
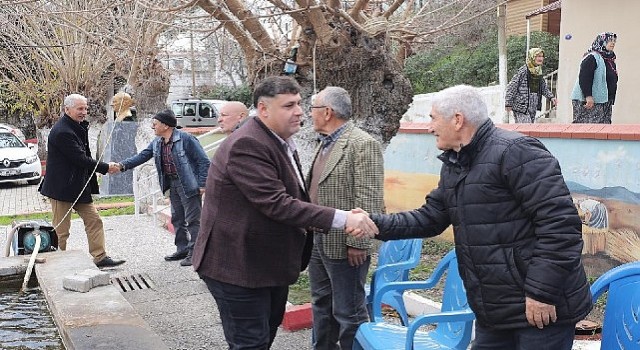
(453,325)
(621,328)
(395,261)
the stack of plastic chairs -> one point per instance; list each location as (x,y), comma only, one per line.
(395,261)
(452,327)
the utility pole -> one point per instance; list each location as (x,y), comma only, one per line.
(502,57)
(193,61)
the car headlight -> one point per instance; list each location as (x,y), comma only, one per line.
(31,159)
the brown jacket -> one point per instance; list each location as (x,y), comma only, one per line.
(255,213)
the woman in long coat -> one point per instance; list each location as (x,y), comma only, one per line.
(525,90)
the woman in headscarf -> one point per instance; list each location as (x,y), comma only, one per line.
(525,90)
(595,90)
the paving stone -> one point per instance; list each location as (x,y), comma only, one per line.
(77,283)
(97,277)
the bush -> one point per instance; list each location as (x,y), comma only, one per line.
(478,66)
(516,47)
(241,93)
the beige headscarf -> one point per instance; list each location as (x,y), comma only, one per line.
(531,61)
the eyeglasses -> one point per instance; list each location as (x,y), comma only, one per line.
(312,107)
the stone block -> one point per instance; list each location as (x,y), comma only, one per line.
(116,142)
(98,278)
(77,283)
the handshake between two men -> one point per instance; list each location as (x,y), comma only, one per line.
(360,225)
(114,168)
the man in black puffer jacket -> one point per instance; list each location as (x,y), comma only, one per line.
(517,233)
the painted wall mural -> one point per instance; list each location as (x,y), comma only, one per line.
(602,176)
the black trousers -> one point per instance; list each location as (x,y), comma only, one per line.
(250,316)
(552,337)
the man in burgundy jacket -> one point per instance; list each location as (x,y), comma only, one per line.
(252,243)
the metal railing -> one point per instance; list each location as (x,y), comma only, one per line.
(547,105)
(153,174)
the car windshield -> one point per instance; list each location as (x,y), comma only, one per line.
(8,140)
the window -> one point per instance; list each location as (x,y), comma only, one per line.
(8,140)
(204,110)
(177,109)
(189,109)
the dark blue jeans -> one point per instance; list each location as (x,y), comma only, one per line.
(338,299)
(185,216)
(531,338)
(250,316)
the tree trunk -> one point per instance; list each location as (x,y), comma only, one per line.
(380,93)
(151,89)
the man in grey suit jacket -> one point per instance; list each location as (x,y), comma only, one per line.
(252,243)
(347,172)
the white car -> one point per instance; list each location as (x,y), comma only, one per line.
(12,129)
(18,162)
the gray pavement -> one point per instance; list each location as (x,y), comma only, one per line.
(178,306)
(21,199)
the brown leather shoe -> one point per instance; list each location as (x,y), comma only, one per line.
(177,256)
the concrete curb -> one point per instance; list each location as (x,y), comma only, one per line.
(99,319)
(103,206)
(297,317)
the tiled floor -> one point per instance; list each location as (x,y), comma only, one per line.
(21,199)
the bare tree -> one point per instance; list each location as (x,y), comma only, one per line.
(56,47)
(62,46)
(359,45)
(329,51)
(229,62)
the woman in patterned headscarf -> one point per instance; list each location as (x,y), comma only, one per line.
(525,90)
(595,90)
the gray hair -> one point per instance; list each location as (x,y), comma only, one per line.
(463,99)
(71,100)
(339,100)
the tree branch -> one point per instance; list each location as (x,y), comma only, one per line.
(246,42)
(351,21)
(334,4)
(297,15)
(317,20)
(440,29)
(252,25)
(357,8)
(187,5)
(396,4)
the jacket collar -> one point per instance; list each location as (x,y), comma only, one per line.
(327,140)
(82,127)
(466,154)
(278,140)
(337,152)
(175,136)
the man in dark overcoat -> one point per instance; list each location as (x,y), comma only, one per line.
(71,179)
